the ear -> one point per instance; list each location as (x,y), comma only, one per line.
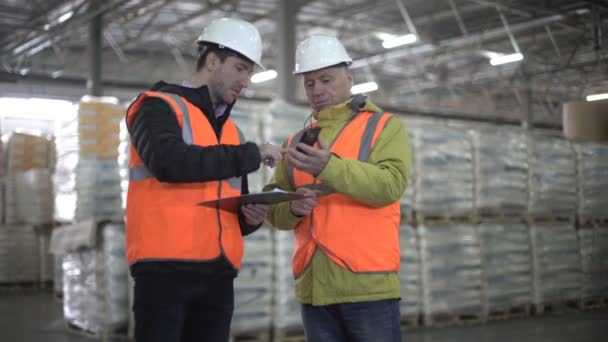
(212,61)
(350,76)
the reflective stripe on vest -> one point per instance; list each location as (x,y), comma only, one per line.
(364,151)
(141,172)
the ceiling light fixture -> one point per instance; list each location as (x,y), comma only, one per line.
(504,59)
(399,41)
(264,76)
(597,97)
(364,87)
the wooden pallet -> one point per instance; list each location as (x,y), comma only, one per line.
(260,336)
(289,335)
(594,303)
(21,287)
(550,219)
(410,321)
(424,219)
(593,222)
(449,319)
(503,313)
(493,215)
(113,333)
(557,307)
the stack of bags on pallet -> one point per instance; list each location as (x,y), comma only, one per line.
(28,191)
(34,196)
(286,311)
(64,179)
(253,286)
(409,274)
(284,120)
(507,267)
(553,190)
(501,170)
(95,277)
(444,171)
(19,259)
(592,161)
(91,152)
(594,258)
(451,269)
(556,262)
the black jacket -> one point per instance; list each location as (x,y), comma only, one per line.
(157,138)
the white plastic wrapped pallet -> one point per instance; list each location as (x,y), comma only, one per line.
(501,170)
(89,172)
(95,277)
(507,265)
(553,188)
(443,160)
(19,254)
(556,262)
(34,196)
(451,269)
(592,161)
(253,286)
(594,259)
(409,274)
(286,311)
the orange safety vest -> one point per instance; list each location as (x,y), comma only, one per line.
(354,235)
(163,220)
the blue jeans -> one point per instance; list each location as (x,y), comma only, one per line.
(182,307)
(376,321)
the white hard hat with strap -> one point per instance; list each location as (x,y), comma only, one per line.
(318,52)
(234,34)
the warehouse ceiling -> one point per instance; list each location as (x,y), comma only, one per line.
(447,71)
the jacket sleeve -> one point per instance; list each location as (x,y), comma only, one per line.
(383,178)
(245,228)
(157,138)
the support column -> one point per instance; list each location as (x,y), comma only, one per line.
(94,86)
(528,107)
(286,31)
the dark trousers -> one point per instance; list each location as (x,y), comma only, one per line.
(376,321)
(180,307)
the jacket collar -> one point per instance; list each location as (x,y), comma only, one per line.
(200,98)
(343,111)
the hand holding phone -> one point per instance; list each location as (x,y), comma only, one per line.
(310,136)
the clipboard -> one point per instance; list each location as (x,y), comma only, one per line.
(233,203)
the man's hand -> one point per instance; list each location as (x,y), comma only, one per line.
(309,159)
(271,154)
(255,214)
(304,206)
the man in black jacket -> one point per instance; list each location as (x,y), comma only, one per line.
(177,299)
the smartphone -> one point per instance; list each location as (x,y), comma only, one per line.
(310,136)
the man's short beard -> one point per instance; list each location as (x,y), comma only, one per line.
(216,89)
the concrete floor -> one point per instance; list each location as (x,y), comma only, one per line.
(26,317)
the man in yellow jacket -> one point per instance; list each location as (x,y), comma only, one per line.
(346,257)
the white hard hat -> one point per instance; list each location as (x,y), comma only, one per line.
(318,52)
(235,34)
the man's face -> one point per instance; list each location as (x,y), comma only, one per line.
(229,78)
(327,87)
